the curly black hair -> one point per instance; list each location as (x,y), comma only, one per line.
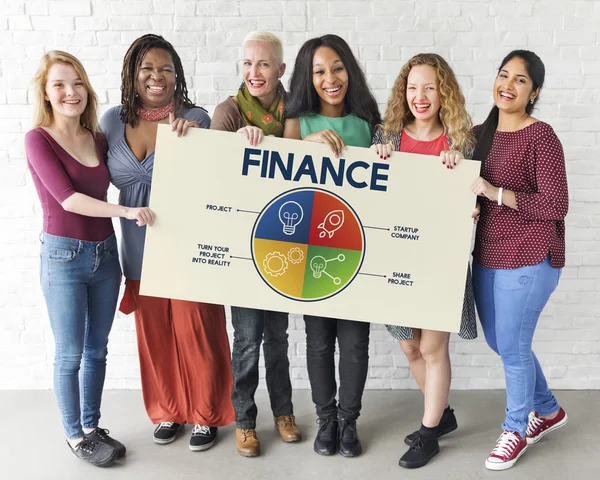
(131,64)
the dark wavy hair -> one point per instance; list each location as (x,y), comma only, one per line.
(484,135)
(131,64)
(304,99)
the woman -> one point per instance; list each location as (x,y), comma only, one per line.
(519,247)
(183,347)
(80,272)
(331,103)
(255,111)
(426,115)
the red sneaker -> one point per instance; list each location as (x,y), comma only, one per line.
(538,427)
(508,449)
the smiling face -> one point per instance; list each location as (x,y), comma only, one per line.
(513,87)
(155,82)
(65,91)
(330,78)
(423,93)
(261,70)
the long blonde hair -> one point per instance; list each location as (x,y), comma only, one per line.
(44,116)
(453,114)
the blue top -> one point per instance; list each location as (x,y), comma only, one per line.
(355,131)
(133,179)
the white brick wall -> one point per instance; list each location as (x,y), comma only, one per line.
(473,35)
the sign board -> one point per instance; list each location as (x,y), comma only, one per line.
(286,226)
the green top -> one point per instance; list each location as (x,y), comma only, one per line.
(354,131)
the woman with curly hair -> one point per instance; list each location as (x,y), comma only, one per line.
(330,102)
(185,363)
(426,115)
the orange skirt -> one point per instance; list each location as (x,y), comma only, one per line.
(185,361)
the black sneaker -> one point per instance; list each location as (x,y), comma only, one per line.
(96,453)
(420,452)
(447,424)
(349,442)
(326,442)
(101,435)
(202,438)
(166,432)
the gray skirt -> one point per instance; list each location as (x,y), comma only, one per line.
(468,324)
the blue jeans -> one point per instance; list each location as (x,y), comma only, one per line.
(80,281)
(509,303)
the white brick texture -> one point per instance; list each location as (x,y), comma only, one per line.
(473,35)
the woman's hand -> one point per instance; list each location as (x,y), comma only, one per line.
(253,134)
(483,188)
(329,137)
(142,216)
(451,158)
(476,213)
(383,150)
(181,125)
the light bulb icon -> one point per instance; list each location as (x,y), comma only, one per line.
(318,265)
(290,215)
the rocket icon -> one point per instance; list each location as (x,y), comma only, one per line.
(332,222)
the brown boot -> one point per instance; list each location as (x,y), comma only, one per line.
(246,442)
(288,430)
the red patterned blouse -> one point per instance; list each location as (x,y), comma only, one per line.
(531,163)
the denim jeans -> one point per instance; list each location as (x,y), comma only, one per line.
(353,340)
(251,327)
(509,302)
(80,281)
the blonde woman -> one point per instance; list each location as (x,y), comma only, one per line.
(426,115)
(80,272)
(257,110)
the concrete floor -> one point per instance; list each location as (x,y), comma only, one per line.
(31,445)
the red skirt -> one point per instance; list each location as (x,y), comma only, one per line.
(185,361)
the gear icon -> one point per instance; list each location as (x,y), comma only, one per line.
(275,264)
(295,255)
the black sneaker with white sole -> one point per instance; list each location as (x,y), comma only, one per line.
(166,432)
(203,437)
(101,435)
(95,453)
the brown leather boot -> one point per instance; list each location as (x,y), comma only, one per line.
(246,442)
(288,430)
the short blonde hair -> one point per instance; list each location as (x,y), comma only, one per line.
(267,37)
(44,116)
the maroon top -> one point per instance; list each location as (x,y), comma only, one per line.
(57,176)
(531,163)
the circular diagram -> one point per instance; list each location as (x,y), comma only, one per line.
(308,244)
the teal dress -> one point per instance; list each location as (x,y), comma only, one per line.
(355,131)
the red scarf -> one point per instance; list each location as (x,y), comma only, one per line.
(155,115)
